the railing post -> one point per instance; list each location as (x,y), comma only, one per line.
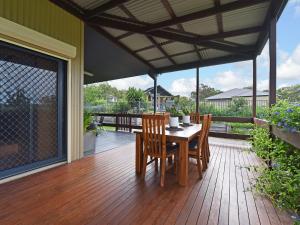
(272,52)
(254,88)
(155,93)
(197,90)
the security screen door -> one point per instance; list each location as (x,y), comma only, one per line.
(32,110)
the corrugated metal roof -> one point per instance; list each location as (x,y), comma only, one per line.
(205,26)
(136,41)
(154,11)
(161,63)
(117,12)
(190,57)
(114,32)
(213,53)
(177,47)
(183,7)
(151,11)
(249,39)
(245,17)
(236,92)
(149,54)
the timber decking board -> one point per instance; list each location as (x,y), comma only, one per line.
(104,189)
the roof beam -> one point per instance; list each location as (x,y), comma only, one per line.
(204,13)
(178,54)
(172,14)
(204,63)
(167,35)
(153,41)
(104,7)
(219,16)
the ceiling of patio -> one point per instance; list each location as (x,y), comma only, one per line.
(158,36)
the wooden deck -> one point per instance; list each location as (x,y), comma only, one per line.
(104,189)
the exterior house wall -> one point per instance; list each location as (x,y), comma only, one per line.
(46,18)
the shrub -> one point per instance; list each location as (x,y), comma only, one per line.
(285,115)
(281,182)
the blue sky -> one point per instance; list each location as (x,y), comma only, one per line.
(225,77)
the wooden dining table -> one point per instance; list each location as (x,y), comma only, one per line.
(182,137)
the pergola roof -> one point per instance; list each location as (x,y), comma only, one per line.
(170,35)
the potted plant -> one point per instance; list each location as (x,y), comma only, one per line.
(174,117)
(186,119)
(90,132)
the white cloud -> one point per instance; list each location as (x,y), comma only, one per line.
(289,69)
(141,82)
(228,80)
(296,5)
(183,86)
(263,84)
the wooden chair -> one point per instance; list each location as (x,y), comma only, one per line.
(123,119)
(195,117)
(167,116)
(155,143)
(197,150)
(207,144)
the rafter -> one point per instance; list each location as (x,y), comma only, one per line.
(133,27)
(204,63)
(219,16)
(153,41)
(171,12)
(104,7)
(178,54)
(153,46)
(204,13)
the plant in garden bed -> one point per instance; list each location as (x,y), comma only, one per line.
(285,115)
(281,182)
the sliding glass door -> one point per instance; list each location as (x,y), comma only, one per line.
(32,110)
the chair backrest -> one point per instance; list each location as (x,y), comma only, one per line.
(195,117)
(204,131)
(125,120)
(209,122)
(167,116)
(154,134)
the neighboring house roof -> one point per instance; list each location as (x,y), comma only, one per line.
(236,92)
(160,90)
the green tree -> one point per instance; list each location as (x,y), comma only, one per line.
(98,94)
(290,94)
(135,95)
(184,102)
(205,91)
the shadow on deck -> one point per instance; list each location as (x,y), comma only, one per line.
(104,189)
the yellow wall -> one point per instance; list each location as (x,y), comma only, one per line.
(46,18)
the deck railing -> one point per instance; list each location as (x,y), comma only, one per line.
(134,122)
(292,138)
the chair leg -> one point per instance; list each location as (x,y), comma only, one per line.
(170,160)
(199,167)
(204,161)
(162,172)
(156,164)
(144,165)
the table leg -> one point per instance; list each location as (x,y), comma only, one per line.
(183,163)
(138,154)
